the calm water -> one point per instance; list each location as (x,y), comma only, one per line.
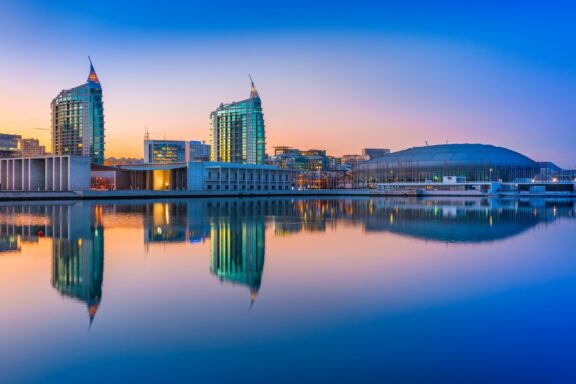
(284,290)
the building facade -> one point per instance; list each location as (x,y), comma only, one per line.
(32,147)
(78,120)
(197,151)
(48,173)
(10,145)
(374,153)
(164,151)
(206,176)
(474,162)
(237,131)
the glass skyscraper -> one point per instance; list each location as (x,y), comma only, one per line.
(78,120)
(237,131)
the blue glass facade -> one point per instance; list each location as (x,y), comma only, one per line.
(238,133)
(78,120)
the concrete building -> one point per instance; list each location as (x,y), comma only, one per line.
(164,151)
(237,131)
(206,176)
(78,120)
(32,147)
(10,145)
(49,173)
(197,151)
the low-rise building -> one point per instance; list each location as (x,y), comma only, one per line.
(374,153)
(32,147)
(206,176)
(164,151)
(10,145)
(48,173)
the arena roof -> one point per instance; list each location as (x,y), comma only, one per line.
(455,154)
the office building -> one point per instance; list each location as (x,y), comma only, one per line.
(78,120)
(237,131)
(197,151)
(32,147)
(164,151)
(10,145)
(374,153)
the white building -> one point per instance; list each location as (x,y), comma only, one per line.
(48,173)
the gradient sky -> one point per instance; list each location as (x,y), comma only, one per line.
(331,74)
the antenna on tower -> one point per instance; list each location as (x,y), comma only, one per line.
(146,134)
(426,141)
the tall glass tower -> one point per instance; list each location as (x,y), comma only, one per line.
(237,131)
(78,120)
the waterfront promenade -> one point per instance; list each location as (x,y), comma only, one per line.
(141,194)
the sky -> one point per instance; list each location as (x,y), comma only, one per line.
(334,75)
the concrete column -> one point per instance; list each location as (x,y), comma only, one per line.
(3,175)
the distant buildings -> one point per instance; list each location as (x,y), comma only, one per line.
(237,131)
(353,160)
(32,147)
(373,153)
(10,145)
(164,151)
(78,120)
(197,151)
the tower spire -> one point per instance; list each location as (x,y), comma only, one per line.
(253,91)
(92,77)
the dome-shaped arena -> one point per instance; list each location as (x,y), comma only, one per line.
(475,162)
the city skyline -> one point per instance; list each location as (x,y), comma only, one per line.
(392,78)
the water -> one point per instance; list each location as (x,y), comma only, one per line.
(284,290)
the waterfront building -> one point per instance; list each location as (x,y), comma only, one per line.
(47,173)
(206,176)
(237,131)
(474,162)
(373,153)
(78,120)
(32,147)
(164,151)
(10,145)
(197,151)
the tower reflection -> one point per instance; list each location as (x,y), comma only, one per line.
(78,254)
(237,244)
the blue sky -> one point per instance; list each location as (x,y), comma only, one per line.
(335,75)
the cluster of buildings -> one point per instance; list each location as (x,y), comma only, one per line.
(16,146)
(235,159)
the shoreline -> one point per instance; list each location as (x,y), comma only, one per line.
(106,195)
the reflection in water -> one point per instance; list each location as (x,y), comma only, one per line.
(237,244)
(237,227)
(78,254)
